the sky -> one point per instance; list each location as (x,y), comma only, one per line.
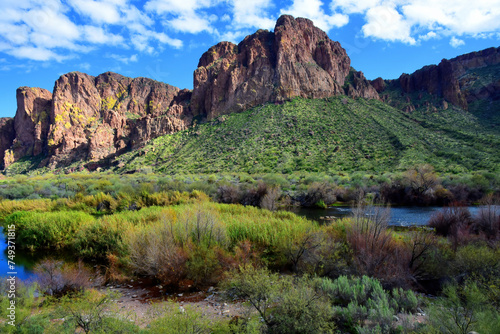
(163,39)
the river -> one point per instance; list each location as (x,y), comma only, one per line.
(400,216)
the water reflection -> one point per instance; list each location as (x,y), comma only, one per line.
(24,261)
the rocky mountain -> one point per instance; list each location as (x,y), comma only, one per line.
(91,118)
(297,59)
(94,119)
(458,81)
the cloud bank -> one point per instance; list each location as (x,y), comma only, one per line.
(55,30)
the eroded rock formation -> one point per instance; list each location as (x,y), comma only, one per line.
(297,59)
(452,79)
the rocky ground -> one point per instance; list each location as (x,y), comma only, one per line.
(139,299)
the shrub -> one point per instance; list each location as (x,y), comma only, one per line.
(422,179)
(98,240)
(177,247)
(253,196)
(362,304)
(57,278)
(419,245)
(91,311)
(203,265)
(319,193)
(47,230)
(452,222)
(228,194)
(153,252)
(375,252)
(476,260)
(25,302)
(270,199)
(462,310)
(487,221)
(301,309)
(285,306)
(448,221)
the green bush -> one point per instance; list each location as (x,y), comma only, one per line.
(362,303)
(97,240)
(285,305)
(47,230)
(94,312)
(463,309)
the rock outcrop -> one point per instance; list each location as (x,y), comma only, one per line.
(31,123)
(297,59)
(451,79)
(91,118)
(379,84)
(358,86)
(7,136)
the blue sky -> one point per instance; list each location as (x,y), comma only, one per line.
(163,39)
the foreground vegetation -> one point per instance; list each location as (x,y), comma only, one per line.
(354,275)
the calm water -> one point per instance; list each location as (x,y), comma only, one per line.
(24,262)
(400,216)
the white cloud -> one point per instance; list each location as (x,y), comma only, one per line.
(98,11)
(97,35)
(428,36)
(455,42)
(57,29)
(232,36)
(141,37)
(35,53)
(124,59)
(53,23)
(386,23)
(85,66)
(312,9)
(51,31)
(252,14)
(187,16)
(14,34)
(423,18)
(354,6)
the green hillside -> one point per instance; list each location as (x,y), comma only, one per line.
(331,135)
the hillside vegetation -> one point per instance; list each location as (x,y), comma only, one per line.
(327,135)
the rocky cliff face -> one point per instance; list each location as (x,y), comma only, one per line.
(452,79)
(358,86)
(91,118)
(31,124)
(7,136)
(297,59)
